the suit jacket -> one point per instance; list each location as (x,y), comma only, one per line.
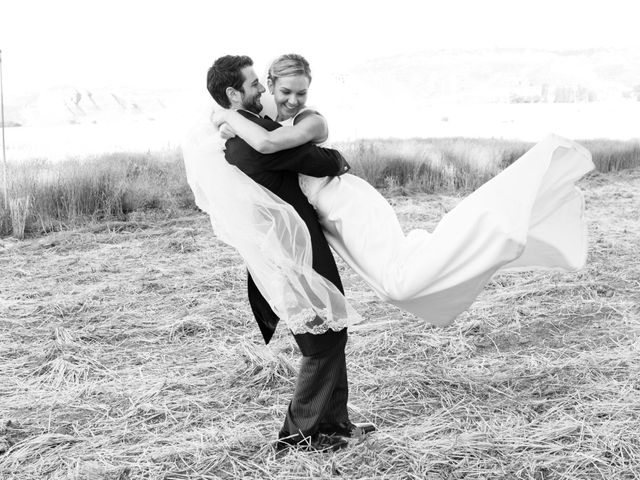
(278,172)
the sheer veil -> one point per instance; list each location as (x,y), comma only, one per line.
(267,232)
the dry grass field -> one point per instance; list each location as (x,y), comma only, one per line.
(128,351)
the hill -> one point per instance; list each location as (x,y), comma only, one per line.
(500,76)
(505,76)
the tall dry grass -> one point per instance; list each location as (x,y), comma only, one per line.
(430,165)
(111,186)
(614,155)
(72,192)
(460,165)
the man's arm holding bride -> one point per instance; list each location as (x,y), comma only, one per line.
(304,158)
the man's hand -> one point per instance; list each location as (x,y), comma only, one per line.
(219,117)
(226,132)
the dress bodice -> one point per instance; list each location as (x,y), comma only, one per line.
(290,122)
(310,186)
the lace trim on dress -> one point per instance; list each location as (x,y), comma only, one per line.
(316,323)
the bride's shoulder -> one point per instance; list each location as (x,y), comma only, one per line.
(316,125)
(306,113)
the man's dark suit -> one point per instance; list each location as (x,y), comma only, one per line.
(321,390)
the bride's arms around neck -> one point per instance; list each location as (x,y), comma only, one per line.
(309,126)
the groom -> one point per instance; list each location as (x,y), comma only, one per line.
(317,416)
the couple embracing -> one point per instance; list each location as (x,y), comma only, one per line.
(280,199)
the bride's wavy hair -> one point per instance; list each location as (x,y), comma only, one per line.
(289,65)
(226,72)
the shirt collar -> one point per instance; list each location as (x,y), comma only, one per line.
(249,112)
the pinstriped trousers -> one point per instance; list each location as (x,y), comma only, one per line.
(322,390)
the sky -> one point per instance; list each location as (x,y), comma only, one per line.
(161,44)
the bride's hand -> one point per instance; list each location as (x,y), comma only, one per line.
(219,117)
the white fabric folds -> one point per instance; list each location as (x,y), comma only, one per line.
(528,216)
(269,235)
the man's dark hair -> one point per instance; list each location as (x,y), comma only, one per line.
(226,72)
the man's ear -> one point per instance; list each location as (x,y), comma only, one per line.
(232,94)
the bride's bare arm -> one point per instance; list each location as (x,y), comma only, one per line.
(309,127)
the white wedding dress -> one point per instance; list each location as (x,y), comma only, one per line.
(528,216)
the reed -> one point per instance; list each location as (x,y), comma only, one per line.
(613,155)
(107,187)
(19,211)
(113,186)
(447,165)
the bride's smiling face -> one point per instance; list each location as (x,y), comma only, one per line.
(290,94)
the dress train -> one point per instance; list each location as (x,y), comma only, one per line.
(528,216)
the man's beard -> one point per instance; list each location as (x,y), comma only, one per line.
(255,106)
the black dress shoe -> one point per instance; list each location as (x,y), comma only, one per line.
(347,429)
(318,442)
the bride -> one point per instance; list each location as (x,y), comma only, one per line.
(528,216)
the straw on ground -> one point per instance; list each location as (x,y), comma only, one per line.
(128,350)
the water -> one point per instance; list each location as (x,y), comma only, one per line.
(530,122)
